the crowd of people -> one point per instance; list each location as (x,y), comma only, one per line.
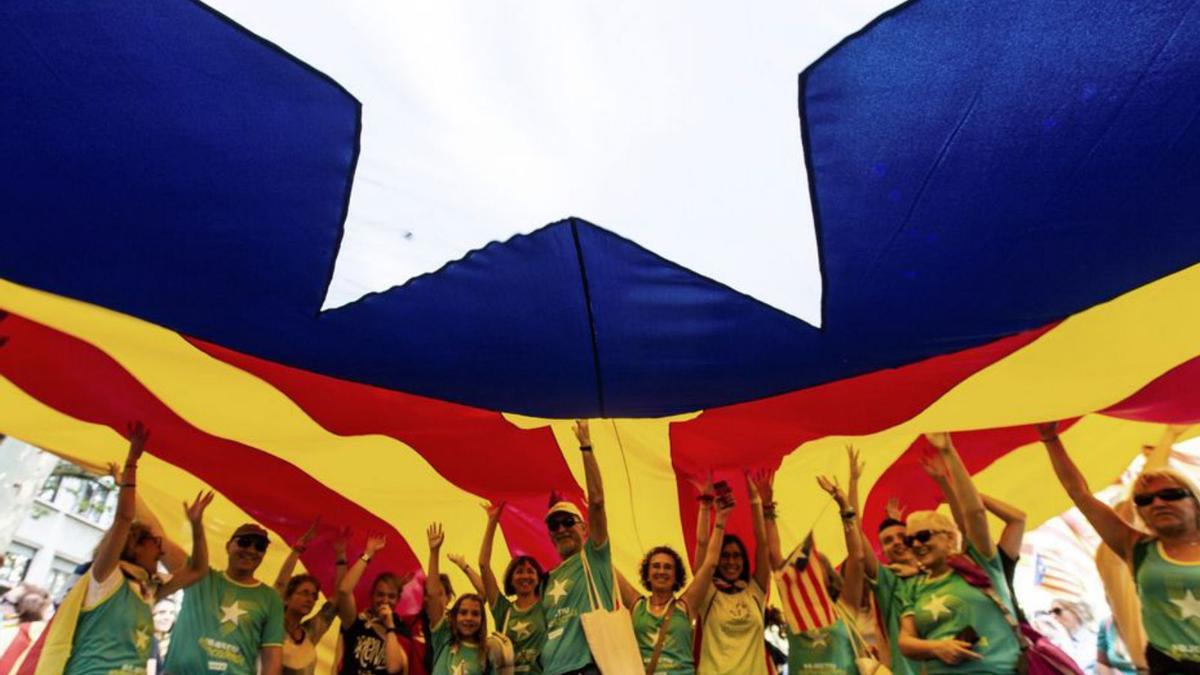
(937,599)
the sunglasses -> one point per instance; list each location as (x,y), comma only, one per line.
(251,541)
(923,537)
(1166,494)
(561,522)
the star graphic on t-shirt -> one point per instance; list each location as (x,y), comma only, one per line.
(141,639)
(558,590)
(936,607)
(819,639)
(520,629)
(459,668)
(1188,605)
(232,612)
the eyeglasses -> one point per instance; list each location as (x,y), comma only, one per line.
(923,537)
(1166,494)
(251,541)
(559,522)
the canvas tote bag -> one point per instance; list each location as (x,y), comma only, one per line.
(609,634)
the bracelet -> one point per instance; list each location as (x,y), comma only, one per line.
(718,526)
(365,558)
(849,514)
(299,549)
(706,498)
(393,629)
(769,511)
(339,561)
(585,448)
(125,485)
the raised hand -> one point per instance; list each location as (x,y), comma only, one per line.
(435,535)
(340,541)
(894,509)
(582,433)
(1048,430)
(704,486)
(138,435)
(933,466)
(375,544)
(831,486)
(764,482)
(494,511)
(306,538)
(856,463)
(723,512)
(195,510)
(458,560)
(939,440)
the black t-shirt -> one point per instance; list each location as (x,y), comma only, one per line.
(1010,568)
(364,652)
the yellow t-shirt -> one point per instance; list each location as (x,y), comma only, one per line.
(732,632)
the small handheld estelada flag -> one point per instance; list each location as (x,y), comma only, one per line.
(803,593)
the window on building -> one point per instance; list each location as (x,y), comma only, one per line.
(16,564)
(61,573)
(72,490)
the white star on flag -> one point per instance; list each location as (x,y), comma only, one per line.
(558,590)
(232,612)
(936,607)
(1189,606)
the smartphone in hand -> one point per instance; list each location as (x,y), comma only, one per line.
(723,493)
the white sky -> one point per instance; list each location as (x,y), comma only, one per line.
(672,123)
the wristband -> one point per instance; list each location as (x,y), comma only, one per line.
(849,514)
(585,448)
(718,526)
(125,485)
(393,629)
(299,549)
(365,558)
(339,561)
(706,498)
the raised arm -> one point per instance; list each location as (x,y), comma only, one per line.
(935,468)
(435,594)
(975,522)
(289,563)
(629,594)
(704,505)
(491,588)
(461,563)
(197,565)
(1014,525)
(852,588)
(765,483)
(346,606)
(762,550)
(693,595)
(597,518)
(1116,533)
(174,557)
(108,553)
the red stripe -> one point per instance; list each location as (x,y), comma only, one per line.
(812,618)
(816,572)
(760,433)
(476,450)
(1171,398)
(80,381)
(789,592)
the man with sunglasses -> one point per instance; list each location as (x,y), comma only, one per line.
(565,596)
(230,620)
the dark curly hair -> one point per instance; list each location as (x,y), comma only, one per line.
(680,570)
(512,568)
(294,583)
(737,541)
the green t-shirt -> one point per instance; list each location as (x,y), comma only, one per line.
(564,599)
(222,625)
(464,659)
(114,635)
(890,591)
(1170,594)
(527,630)
(676,657)
(825,650)
(944,606)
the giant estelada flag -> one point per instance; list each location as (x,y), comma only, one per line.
(367,264)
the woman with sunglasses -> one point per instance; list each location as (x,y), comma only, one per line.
(1165,563)
(732,609)
(115,627)
(958,617)
(663,574)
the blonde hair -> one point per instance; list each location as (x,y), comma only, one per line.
(1173,474)
(936,521)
